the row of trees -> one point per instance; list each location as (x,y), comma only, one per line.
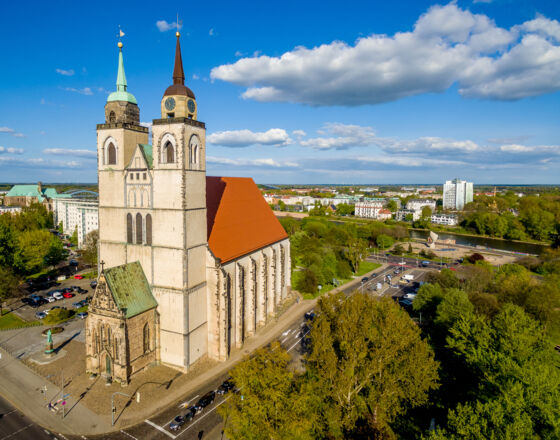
(323,251)
(507,216)
(26,246)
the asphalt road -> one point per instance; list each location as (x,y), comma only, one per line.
(15,426)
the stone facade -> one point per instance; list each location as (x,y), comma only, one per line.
(117,347)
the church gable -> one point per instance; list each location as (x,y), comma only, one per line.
(103,300)
(142,157)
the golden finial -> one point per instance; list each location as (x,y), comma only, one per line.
(177,34)
(120,44)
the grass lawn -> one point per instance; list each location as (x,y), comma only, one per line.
(9,320)
(365,267)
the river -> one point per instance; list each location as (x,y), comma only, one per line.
(490,243)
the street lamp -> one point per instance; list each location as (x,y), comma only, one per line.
(114,410)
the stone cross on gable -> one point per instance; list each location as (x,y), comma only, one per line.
(102,263)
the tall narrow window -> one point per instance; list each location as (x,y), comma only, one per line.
(146,338)
(169,153)
(149,229)
(129,228)
(112,117)
(111,155)
(138,228)
(195,154)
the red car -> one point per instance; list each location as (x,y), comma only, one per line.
(78,277)
(68,295)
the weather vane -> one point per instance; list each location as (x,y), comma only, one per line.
(120,35)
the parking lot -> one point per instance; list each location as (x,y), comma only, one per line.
(28,313)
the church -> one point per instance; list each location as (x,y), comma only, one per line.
(190,265)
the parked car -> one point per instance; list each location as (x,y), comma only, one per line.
(68,295)
(204,401)
(40,315)
(80,290)
(78,304)
(67,290)
(73,262)
(74,288)
(309,316)
(225,388)
(78,277)
(177,423)
(57,296)
(365,279)
(93,284)
(82,315)
(50,299)
(27,300)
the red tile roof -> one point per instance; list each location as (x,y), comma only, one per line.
(239,219)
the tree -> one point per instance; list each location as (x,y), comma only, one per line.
(8,285)
(426,212)
(356,251)
(74,237)
(392,206)
(90,249)
(410,251)
(516,391)
(35,249)
(367,364)
(384,241)
(269,404)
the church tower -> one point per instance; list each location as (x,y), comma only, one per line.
(180,228)
(117,140)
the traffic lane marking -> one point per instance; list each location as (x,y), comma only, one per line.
(201,417)
(17,432)
(184,405)
(159,428)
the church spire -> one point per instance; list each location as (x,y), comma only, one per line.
(178,74)
(121,94)
(121,78)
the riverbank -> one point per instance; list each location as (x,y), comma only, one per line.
(463,234)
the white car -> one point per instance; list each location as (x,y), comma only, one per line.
(50,299)
(57,296)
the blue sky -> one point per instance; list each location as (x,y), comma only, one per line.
(295,92)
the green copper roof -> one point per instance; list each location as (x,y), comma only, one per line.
(130,288)
(147,151)
(121,94)
(33,191)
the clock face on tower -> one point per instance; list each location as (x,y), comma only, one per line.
(170,103)
(191,105)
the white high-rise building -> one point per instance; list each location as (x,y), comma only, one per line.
(456,194)
(77,215)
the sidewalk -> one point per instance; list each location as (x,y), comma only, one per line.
(21,386)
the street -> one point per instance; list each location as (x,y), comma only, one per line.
(15,426)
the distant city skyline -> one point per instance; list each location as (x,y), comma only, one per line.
(410,93)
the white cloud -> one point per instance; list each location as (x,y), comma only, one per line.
(85,91)
(276,137)
(38,163)
(11,150)
(447,45)
(63,72)
(146,124)
(343,137)
(265,162)
(70,152)
(11,131)
(533,149)
(238,53)
(164,26)
(195,76)
(299,133)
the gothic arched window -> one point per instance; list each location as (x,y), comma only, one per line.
(111,155)
(129,228)
(146,338)
(138,228)
(169,152)
(112,117)
(149,229)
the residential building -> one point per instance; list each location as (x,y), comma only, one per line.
(418,204)
(190,265)
(401,214)
(456,194)
(81,215)
(10,209)
(384,214)
(368,209)
(444,219)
